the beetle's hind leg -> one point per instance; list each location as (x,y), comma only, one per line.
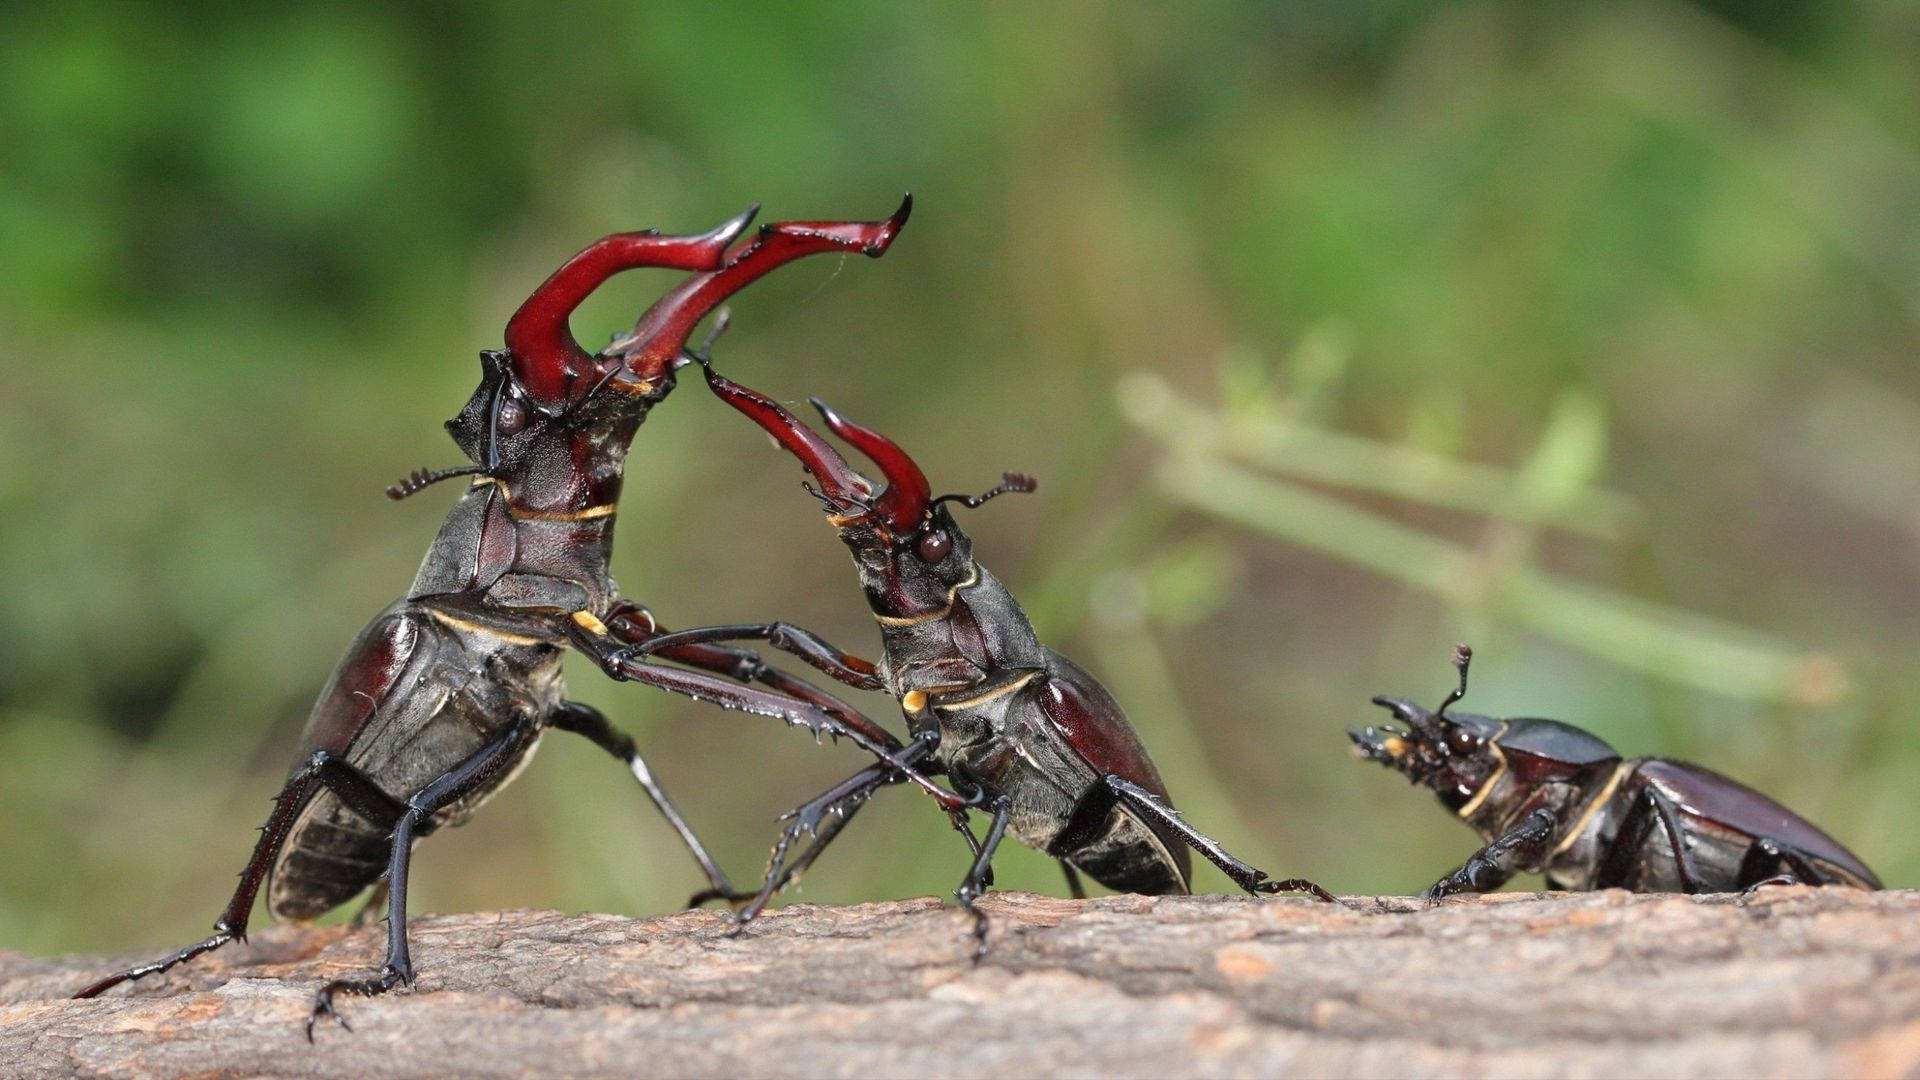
(1146,802)
(323,769)
(416,813)
(1769,862)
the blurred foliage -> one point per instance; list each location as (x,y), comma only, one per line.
(1583,333)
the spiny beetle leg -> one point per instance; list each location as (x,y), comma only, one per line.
(323,769)
(805,644)
(741,665)
(823,816)
(623,663)
(428,801)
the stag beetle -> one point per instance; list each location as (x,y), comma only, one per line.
(1024,733)
(1550,798)
(443,697)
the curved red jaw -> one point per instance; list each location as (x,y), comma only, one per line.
(904,503)
(901,506)
(839,482)
(555,369)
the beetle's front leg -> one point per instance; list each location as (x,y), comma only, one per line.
(824,656)
(822,817)
(1515,850)
(974,886)
(635,625)
(624,662)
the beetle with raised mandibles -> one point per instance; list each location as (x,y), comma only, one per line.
(443,697)
(1551,798)
(1024,733)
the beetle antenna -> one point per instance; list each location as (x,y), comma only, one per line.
(1009,483)
(832,505)
(1462,656)
(422,478)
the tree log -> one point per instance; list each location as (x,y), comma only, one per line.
(1790,982)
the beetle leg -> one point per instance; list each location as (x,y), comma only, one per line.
(823,816)
(591,722)
(1146,802)
(1652,806)
(323,769)
(741,665)
(1519,848)
(621,662)
(805,644)
(1669,816)
(1769,862)
(975,884)
(1074,887)
(433,798)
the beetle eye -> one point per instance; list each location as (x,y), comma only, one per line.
(513,417)
(1463,741)
(933,545)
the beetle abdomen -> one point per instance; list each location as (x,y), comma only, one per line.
(414,697)
(1725,817)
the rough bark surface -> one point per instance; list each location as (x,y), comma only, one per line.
(1792,982)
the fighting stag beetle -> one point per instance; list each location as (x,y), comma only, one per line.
(1550,798)
(442,698)
(1023,732)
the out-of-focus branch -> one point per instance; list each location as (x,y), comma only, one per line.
(1500,582)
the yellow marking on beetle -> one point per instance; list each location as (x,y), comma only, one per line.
(1620,772)
(481,628)
(588,621)
(953,596)
(996,692)
(591,512)
(1486,789)
(588,514)
(914,701)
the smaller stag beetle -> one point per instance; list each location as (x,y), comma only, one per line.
(1550,798)
(1024,733)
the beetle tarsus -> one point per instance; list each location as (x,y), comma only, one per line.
(323,1000)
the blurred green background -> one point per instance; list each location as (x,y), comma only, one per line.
(1336,333)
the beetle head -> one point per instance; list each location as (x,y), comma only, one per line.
(544,386)
(910,552)
(1452,753)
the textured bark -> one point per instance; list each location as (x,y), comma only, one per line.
(1792,982)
